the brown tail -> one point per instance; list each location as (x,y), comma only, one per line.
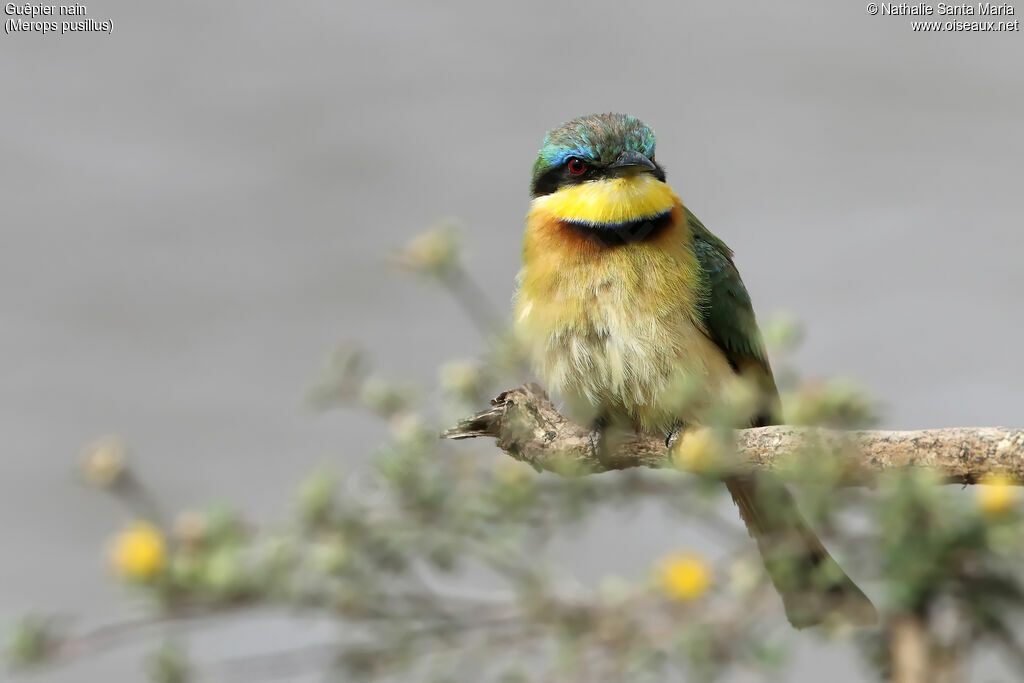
(811,583)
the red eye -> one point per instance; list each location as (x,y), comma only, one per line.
(576,166)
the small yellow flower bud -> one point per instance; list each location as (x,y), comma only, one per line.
(683,576)
(696,450)
(223,573)
(190,527)
(433,252)
(512,473)
(741,398)
(408,427)
(997,495)
(329,555)
(186,567)
(615,589)
(744,576)
(462,377)
(382,397)
(105,462)
(317,497)
(139,552)
(783,333)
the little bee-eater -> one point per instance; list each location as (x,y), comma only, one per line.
(635,314)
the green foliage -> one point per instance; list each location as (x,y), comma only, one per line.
(30,642)
(438,561)
(169,664)
(836,404)
(939,546)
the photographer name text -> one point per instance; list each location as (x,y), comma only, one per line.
(942,9)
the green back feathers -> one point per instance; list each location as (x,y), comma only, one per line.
(728,314)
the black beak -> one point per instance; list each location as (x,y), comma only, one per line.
(633,159)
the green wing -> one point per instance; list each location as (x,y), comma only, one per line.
(796,564)
(728,316)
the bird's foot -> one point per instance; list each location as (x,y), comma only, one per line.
(596,442)
(673,436)
(597,439)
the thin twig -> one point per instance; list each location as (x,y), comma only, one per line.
(471,299)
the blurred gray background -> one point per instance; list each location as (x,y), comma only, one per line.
(199,206)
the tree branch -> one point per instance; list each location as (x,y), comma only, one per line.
(526,426)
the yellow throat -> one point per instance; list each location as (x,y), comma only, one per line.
(609,201)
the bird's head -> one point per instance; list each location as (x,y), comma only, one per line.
(599,172)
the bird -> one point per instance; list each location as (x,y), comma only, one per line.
(633,312)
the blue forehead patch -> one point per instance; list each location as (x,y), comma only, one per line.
(598,137)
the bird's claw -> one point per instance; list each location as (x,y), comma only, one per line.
(672,437)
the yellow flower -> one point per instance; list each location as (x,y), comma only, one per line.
(696,450)
(997,495)
(139,552)
(683,576)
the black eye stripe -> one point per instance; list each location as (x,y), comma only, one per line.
(557,177)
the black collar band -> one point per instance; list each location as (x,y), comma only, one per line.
(618,234)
